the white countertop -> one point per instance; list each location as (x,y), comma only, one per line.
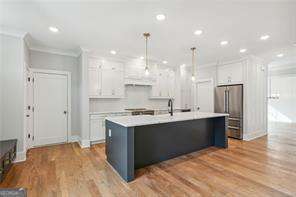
(108,112)
(125,111)
(131,121)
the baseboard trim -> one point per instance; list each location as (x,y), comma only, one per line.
(254,135)
(84,143)
(97,142)
(20,157)
(74,138)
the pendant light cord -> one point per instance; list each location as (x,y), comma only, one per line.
(193,66)
(146,49)
(146,52)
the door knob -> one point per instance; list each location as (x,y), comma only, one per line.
(65,112)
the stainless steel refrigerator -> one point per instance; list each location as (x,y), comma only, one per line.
(229,99)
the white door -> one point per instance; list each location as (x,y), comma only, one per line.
(50,108)
(205,96)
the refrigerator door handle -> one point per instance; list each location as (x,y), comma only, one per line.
(225,101)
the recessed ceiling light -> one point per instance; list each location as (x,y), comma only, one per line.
(223,43)
(264,37)
(160,17)
(113,52)
(280,55)
(198,32)
(164,62)
(53,29)
(242,50)
(142,57)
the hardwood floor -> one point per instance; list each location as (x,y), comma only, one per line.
(263,167)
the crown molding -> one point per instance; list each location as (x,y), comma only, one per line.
(12,32)
(54,51)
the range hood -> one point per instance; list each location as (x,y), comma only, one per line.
(140,81)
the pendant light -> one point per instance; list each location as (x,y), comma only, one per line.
(146,35)
(193,66)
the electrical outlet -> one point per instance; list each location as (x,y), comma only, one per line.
(109,132)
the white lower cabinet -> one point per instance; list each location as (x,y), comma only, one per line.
(97,125)
(97,128)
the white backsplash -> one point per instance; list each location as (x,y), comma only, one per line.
(135,97)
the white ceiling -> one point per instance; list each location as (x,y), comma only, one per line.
(106,25)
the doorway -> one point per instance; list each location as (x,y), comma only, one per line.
(281,102)
(51,107)
(204,95)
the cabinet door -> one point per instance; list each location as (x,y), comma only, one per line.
(230,74)
(107,82)
(97,129)
(165,89)
(155,91)
(118,83)
(171,84)
(93,83)
(236,73)
(113,80)
(164,86)
(224,74)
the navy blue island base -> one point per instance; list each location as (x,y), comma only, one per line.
(130,148)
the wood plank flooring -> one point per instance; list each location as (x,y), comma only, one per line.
(263,167)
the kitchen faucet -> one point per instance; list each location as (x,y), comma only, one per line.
(170,104)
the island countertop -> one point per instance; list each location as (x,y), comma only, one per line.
(132,121)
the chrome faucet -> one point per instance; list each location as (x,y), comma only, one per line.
(170,105)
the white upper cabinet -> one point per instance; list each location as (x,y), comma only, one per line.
(230,74)
(94,77)
(94,82)
(106,79)
(164,85)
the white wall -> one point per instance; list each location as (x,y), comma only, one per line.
(83,98)
(43,60)
(1,77)
(255,98)
(12,89)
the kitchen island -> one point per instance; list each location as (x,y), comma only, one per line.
(133,142)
